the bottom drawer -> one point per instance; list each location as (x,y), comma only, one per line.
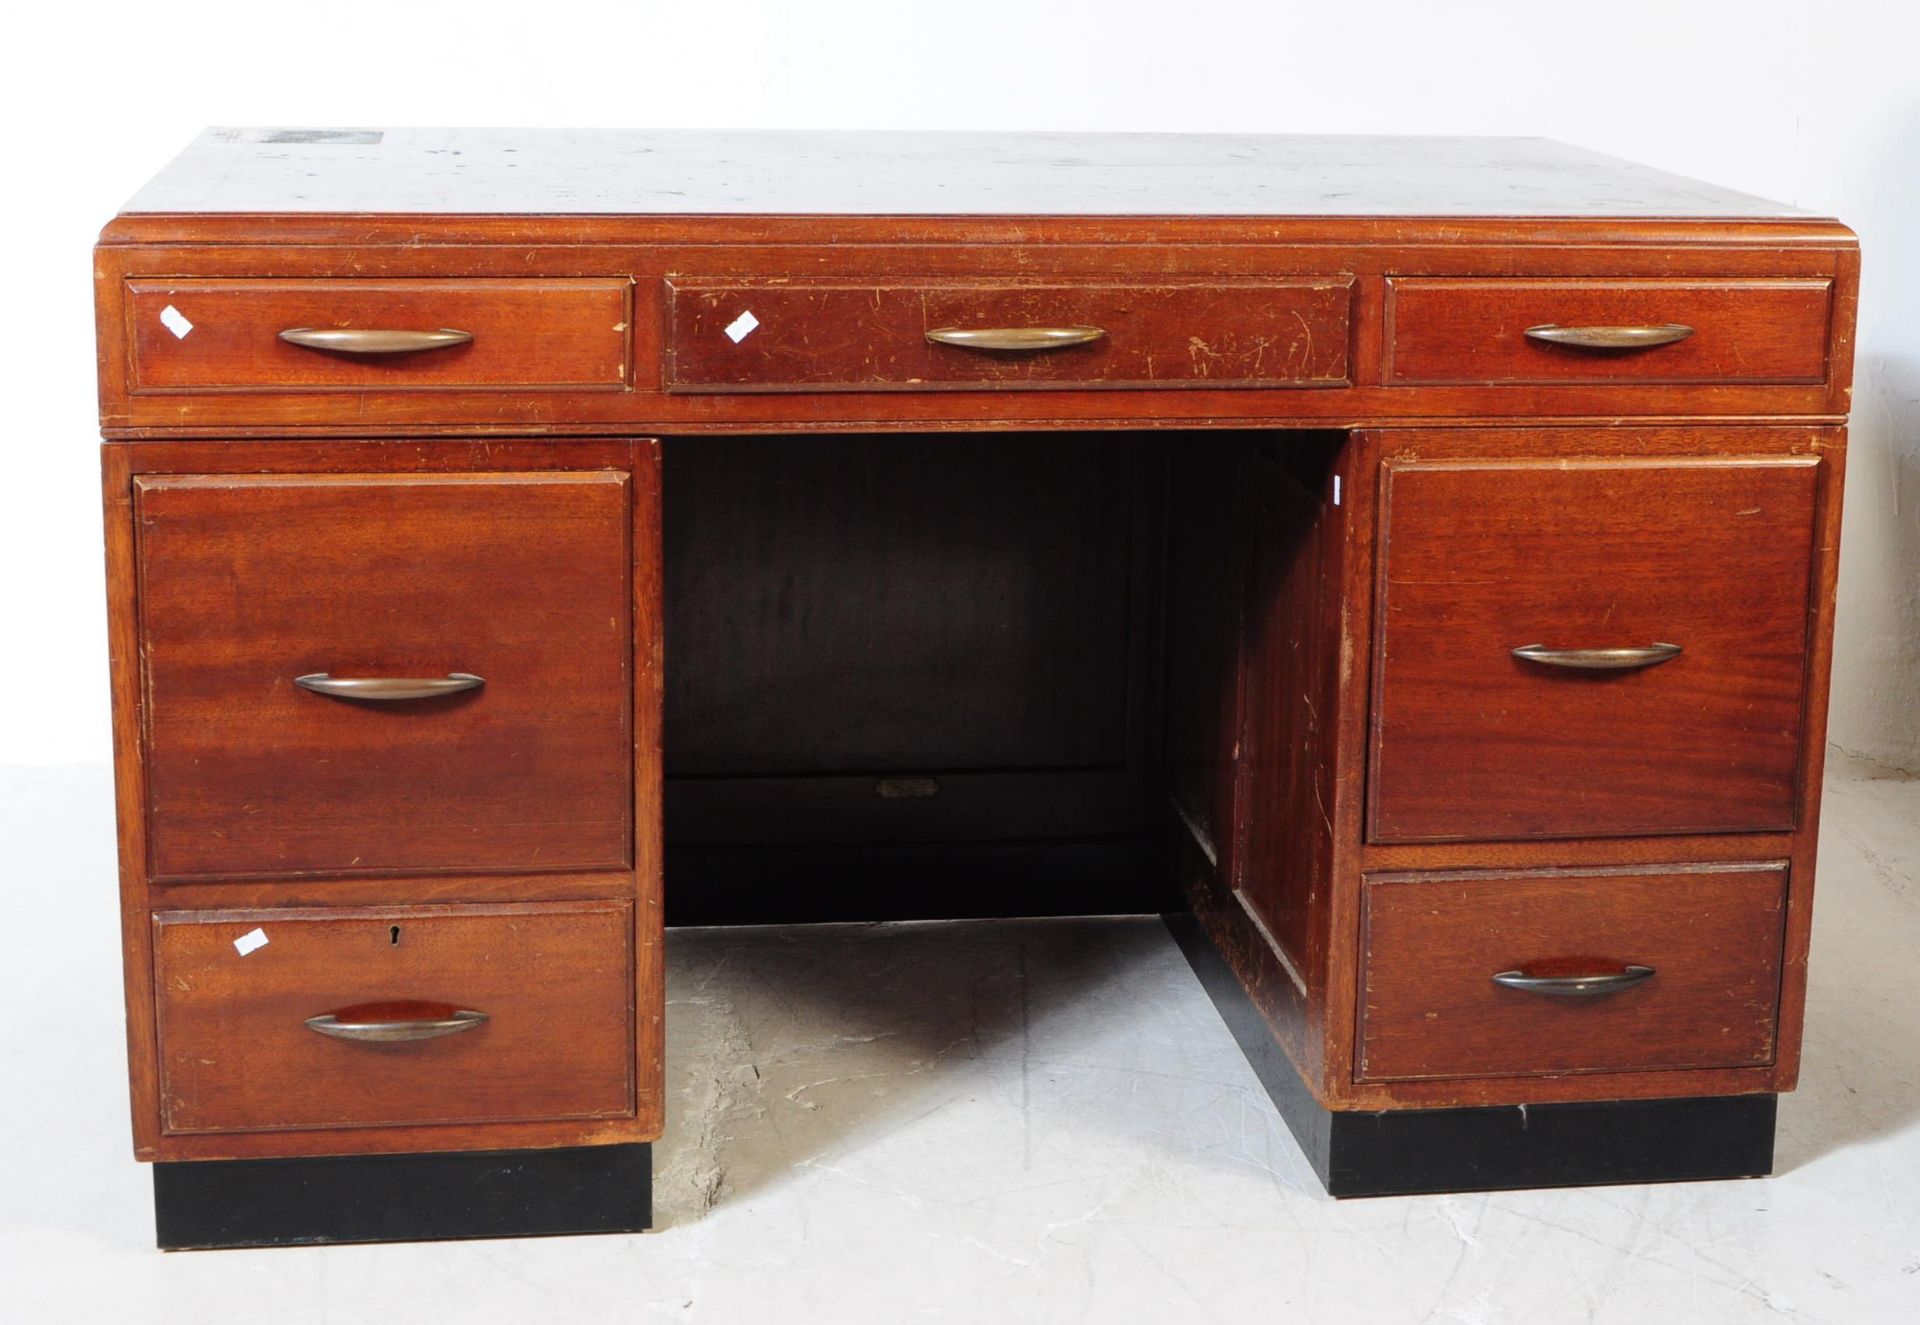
(394,1015)
(1600,971)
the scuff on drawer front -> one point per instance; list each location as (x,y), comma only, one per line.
(840,336)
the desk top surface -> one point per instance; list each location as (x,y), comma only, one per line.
(686,172)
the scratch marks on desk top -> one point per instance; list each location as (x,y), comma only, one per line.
(689,172)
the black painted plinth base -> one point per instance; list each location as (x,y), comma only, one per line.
(402,1198)
(1410,1152)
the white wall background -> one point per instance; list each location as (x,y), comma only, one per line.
(1816,104)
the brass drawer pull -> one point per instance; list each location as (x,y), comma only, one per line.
(1598,660)
(385,689)
(1611,338)
(355,340)
(1575,986)
(1015,338)
(395,1023)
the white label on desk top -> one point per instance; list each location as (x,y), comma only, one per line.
(175,321)
(742,327)
(250,941)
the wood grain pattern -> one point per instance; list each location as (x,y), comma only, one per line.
(1291,697)
(1479,558)
(1265,717)
(130,796)
(1831,445)
(976,613)
(1432,944)
(227,894)
(649,803)
(1473,331)
(528,335)
(250,581)
(555,980)
(901,605)
(817,336)
(386,455)
(1206,560)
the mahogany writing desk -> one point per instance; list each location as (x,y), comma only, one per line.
(1407,563)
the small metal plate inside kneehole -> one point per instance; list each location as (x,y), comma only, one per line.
(906,789)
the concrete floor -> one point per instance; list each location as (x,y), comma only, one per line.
(992,1122)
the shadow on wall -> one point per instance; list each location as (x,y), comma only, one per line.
(1876,674)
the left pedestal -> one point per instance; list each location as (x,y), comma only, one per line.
(392,922)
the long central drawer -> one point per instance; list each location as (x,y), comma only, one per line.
(829,335)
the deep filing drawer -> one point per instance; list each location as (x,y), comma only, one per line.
(394,1016)
(1488,331)
(1590,647)
(1471,975)
(924,335)
(377,335)
(384,673)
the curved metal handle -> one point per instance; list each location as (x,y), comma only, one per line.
(1015,338)
(357,340)
(384,689)
(1611,338)
(395,1023)
(1575,986)
(1598,660)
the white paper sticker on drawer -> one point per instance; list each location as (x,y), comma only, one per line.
(175,321)
(742,327)
(251,941)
